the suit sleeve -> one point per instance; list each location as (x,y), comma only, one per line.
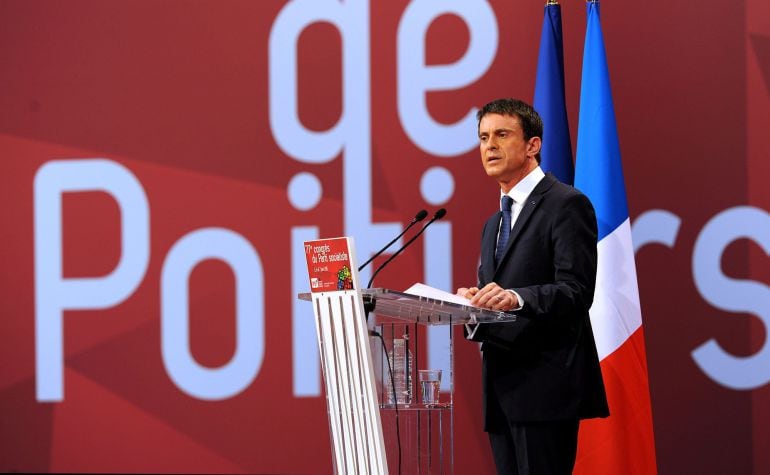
(574,237)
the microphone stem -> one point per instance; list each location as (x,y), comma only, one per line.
(387,246)
(393,256)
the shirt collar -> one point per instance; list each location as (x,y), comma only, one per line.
(523,189)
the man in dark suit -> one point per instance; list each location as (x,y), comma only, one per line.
(538,259)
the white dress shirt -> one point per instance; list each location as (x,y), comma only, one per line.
(521,192)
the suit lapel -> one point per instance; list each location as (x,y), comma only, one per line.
(529,208)
(489,243)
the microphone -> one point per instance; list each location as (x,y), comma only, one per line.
(439,214)
(417,218)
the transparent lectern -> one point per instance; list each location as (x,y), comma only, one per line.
(378,420)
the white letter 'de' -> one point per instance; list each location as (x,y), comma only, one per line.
(415,78)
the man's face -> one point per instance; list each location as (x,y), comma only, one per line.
(506,156)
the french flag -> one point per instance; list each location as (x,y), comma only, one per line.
(623,442)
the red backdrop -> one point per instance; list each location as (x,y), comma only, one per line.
(180,94)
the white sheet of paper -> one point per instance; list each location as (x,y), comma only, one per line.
(423,290)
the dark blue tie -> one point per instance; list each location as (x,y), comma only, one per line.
(505,227)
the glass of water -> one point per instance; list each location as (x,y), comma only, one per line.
(430,386)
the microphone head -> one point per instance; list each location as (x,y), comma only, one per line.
(420,215)
(439,214)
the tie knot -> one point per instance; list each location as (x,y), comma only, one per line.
(505,203)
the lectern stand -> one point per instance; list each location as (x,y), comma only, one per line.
(370,430)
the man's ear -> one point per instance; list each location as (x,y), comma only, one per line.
(533,146)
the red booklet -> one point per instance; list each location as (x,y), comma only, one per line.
(329,264)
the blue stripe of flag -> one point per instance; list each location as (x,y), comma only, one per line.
(598,170)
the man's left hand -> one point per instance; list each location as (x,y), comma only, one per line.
(494,297)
